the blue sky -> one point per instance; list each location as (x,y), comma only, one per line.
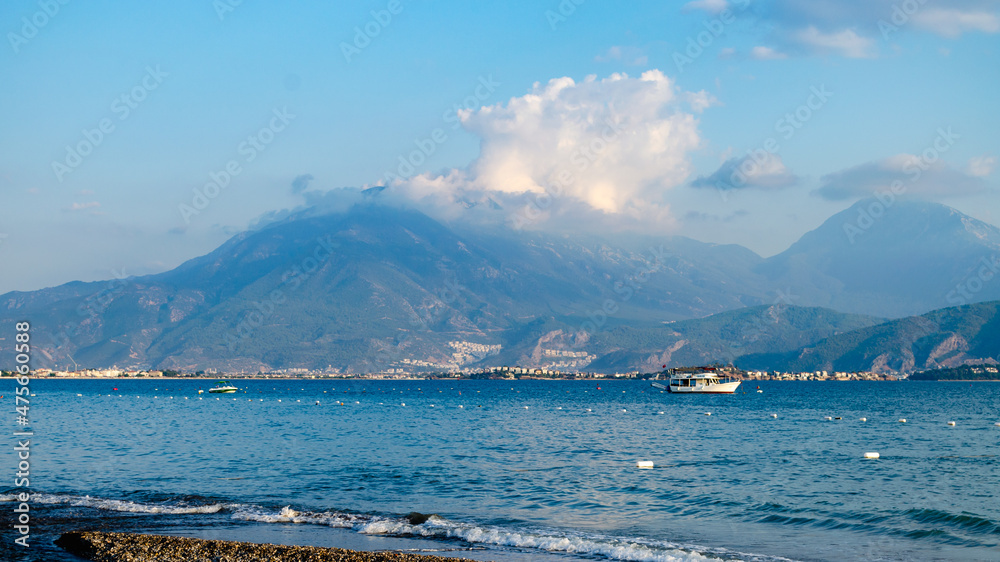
(680,92)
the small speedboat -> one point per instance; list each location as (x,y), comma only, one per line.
(223,387)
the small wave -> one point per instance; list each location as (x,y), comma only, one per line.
(433,527)
(440,528)
(126,506)
(966,521)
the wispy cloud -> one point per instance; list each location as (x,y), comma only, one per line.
(83,206)
(301,183)
(845,42)
(710,6)
(766,53)
(981,166)
(632,56)
(915,174)
(951,22)
(766,172)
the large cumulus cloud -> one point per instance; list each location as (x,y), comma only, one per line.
(615,146)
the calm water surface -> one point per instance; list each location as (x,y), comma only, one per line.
(532,470)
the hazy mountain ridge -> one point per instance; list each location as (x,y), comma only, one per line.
(381,287)
(940,339)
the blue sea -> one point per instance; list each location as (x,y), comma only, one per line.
(521,470)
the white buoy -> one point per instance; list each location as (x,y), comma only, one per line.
(402,404)
(279,399)
(828,418)
(317,402)
(661,413)
(774,415)
(902,420)
(871,455)
(624,410)
(760,392)
(951,423)
(82,395)
(525,407)
(644,464)
(589,410)
(708,413)
(864,419)
(461,406)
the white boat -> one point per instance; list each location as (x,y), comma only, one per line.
(703,381)
(222,387)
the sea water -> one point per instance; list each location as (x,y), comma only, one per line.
(521,470)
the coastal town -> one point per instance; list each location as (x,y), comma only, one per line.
(497,373)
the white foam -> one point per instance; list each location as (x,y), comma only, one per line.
(437,527)
(127,506)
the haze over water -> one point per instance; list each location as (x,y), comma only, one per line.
(531,470)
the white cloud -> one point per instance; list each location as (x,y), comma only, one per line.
(762,170)
(710,6)
(614,145)
(82,206)
(845,42)
(629,55)
(981,166)
(952,23)
(915,174)
(767,53)
(727,53)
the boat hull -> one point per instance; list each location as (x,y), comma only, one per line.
(719,388)
(222,390)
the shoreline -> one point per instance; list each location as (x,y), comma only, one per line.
(101,546)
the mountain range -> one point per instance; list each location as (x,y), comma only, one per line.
(380,287)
